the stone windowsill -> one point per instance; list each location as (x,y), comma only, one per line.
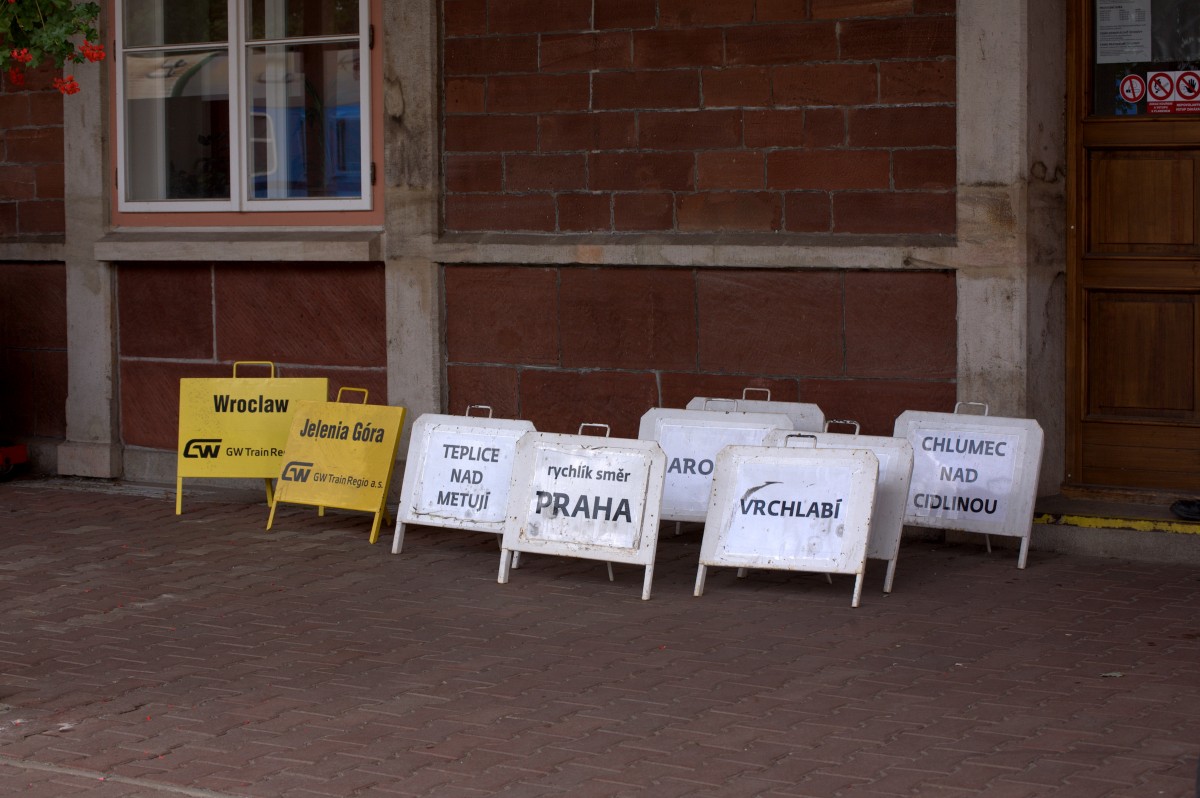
(354,245)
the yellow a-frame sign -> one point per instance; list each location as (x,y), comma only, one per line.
(340,455)
(236,427)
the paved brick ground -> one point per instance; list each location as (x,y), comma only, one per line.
(145,654)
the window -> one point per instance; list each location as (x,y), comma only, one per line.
(243,105)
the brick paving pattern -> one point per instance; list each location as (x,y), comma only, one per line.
(148,654)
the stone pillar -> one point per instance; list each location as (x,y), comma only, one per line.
(992,80)
(92,447)
(410,196)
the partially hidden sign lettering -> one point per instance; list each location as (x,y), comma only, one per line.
(340,455)
(237,427)
(691,439)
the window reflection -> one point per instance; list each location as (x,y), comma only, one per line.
(177,124)
(306,130)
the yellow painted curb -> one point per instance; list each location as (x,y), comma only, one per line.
(1137,524)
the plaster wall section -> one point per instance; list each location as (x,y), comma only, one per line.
(92,447)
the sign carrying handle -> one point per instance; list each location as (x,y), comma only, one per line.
(787,438)
(343,389)
(254,363)
(767,391)
(488,408)
(846,421)
(605,427)
(708,402)
(984,405)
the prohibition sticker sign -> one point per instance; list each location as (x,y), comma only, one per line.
(1187,85)
(1161,86)
(1133,88)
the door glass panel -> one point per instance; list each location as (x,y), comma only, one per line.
(1146,57)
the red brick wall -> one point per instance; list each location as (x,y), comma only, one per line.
(563,346)
(694,116)
(195,320)
(31,158)
(33,350)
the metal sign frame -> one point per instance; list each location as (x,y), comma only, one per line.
(952,451)
(485,449)
(790,510)
(895,457)
(551,511)
(805,416)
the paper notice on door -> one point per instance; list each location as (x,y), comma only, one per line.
(1122,31)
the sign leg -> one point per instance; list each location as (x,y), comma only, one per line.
(742,572)
(646,582)
(270,490)
(1024,552)
(987,539)
(178,495)
(516,555)
(858,585)
(701,572)
(271,517)
(375,527)
(398,538)
(610,574)
(505,561)
(891,574)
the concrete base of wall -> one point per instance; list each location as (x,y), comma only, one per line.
(98,460)
(156,466)
(43,455)
(1090,541)
(1126,544)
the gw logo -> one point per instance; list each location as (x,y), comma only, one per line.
(296,471)
(207,448)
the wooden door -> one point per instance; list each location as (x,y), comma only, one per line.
(1133,272)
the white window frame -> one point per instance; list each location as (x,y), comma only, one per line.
(240,198)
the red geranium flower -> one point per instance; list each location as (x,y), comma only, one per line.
(15,76)
(92,52)
(22,55)
(66,85)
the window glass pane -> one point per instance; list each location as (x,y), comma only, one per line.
(150,23)
(278,19)
(177,125)
(305,126)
